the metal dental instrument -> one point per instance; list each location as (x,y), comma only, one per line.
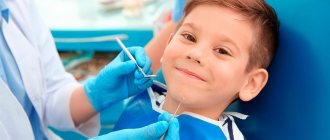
(177,109)
(132,58)
(174,114)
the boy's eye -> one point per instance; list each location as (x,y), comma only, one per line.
(189,37)
(223,51)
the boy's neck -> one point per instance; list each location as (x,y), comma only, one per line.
(171,106)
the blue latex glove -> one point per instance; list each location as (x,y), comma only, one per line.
(178,10)
(173,130)
(119,79)
(149,132)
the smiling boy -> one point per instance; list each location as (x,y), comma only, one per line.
(219,53)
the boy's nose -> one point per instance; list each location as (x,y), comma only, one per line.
(194,59)
(196,54)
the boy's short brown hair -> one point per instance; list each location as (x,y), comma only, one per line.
(261,15)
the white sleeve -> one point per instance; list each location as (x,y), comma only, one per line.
(58,84)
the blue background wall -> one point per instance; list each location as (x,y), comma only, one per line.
(295,103)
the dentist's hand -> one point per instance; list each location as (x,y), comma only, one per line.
(173,129)
(119,79)
(149,132)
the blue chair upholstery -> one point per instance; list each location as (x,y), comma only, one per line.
(295,104)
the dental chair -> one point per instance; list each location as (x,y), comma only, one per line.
(295,104)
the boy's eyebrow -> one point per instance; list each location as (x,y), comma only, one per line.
(191,25)
(222,36)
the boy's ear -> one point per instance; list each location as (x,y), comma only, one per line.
(168,41)
(256,80)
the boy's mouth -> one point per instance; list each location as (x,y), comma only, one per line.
(190,74)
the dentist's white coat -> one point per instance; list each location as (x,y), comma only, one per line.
(47,84)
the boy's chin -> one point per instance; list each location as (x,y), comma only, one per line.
(186,96)
(186,86)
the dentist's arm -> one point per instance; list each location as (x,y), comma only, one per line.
(118,80)
(81,109)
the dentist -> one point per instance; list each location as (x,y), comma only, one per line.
(36,92)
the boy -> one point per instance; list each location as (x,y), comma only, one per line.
(219,53)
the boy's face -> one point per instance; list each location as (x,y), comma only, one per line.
(205,60)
